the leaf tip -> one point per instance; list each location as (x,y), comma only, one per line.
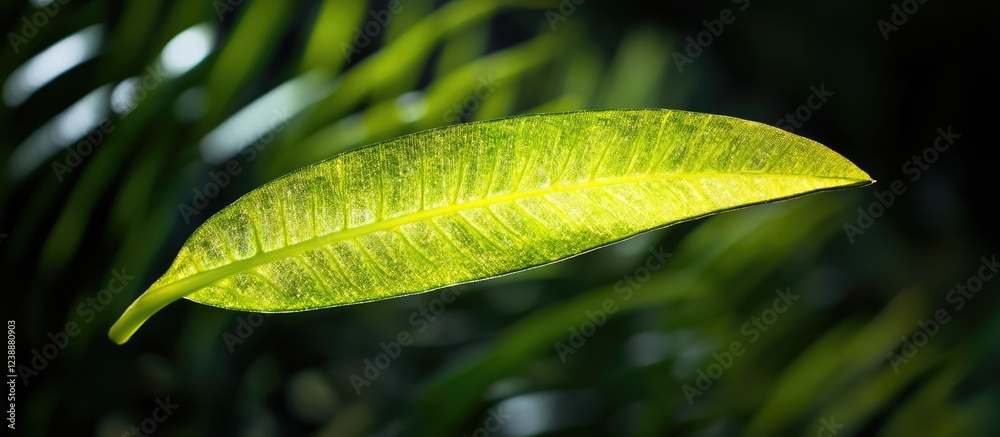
(855,173)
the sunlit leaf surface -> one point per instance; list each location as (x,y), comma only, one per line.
(475,201)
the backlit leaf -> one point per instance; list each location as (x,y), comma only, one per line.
(475,201)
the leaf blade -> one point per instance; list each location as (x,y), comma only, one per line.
(476,201)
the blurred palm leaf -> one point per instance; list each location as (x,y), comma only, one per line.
(273,82)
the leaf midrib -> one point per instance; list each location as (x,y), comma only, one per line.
(200,279)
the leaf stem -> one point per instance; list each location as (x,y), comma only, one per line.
(141,310)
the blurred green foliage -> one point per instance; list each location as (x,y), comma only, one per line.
(275,91)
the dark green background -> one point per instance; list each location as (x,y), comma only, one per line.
(494,348)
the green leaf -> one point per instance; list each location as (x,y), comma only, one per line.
(479,200)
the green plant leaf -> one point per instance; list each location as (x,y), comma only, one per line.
(479,200)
